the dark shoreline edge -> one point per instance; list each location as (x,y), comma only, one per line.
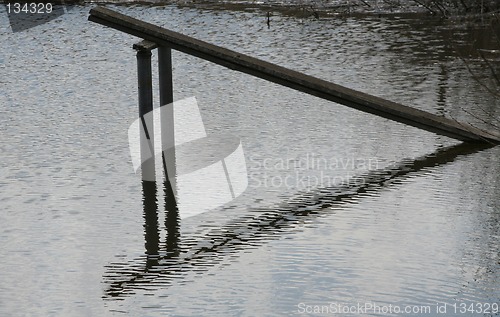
(304,9)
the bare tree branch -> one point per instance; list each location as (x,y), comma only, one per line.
(425,6)
(493,73)
(481,119)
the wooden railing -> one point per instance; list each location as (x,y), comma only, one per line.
(293,79)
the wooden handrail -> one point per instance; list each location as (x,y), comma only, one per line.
(293,79)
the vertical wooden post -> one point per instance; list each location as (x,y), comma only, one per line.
(167,115)
(146,107)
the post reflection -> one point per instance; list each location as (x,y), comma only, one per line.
(171,220)
(123,277)
(151,231)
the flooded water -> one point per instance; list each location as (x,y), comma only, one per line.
(343,210)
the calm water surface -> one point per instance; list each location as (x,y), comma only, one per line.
(373,211)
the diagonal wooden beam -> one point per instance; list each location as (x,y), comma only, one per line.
(293,79)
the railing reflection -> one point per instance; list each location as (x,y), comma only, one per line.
(253,229)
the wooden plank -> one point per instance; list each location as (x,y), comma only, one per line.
(293,79)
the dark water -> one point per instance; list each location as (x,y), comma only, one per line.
(373,212)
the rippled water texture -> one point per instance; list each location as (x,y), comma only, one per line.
(341,207)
